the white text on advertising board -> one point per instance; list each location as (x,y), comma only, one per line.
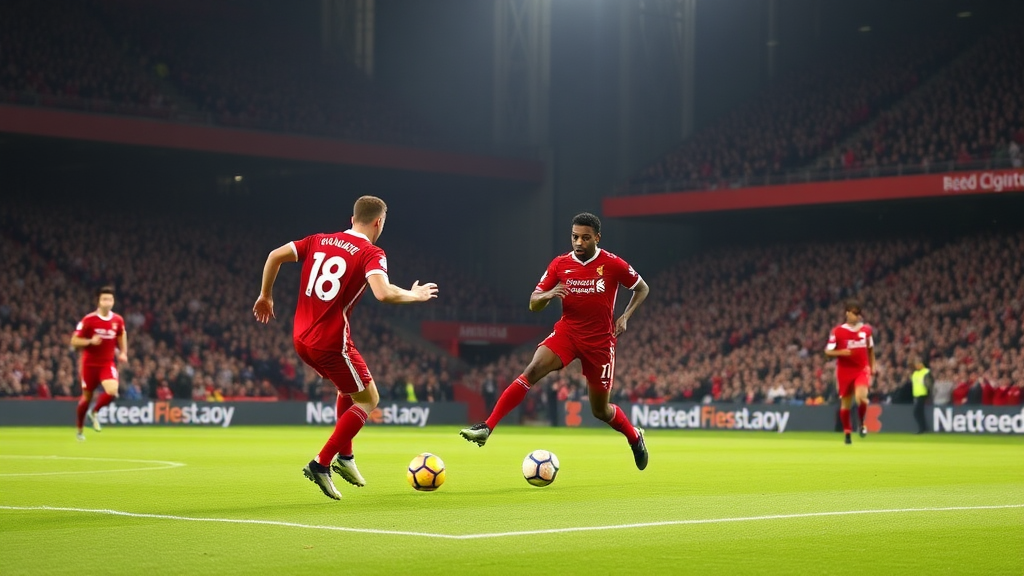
(321,413)
(709,417)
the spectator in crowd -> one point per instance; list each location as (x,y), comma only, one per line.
(943,391)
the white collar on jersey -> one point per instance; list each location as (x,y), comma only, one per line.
(358,234)
(589,260)
(107,317)
(853,328)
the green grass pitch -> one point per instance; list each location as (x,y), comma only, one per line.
(709,503)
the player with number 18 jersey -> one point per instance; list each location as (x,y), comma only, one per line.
(336,270)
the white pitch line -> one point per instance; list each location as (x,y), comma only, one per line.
(228,521)
(163,465)
(734,519)
(508,534)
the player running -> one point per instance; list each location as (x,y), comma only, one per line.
(335,271)
(100,336)
(853,346)
(586,280)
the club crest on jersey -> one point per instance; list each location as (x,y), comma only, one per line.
(600,270)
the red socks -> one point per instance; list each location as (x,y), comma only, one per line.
(862,412)
(510,398)
(83,407)
(844,417)
(349,424)
(620,423)
(344,403)
(102,401)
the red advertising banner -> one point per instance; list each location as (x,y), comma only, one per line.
(862,190)
(163,134)
(438,331)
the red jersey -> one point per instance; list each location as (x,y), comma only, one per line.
(589,306)
(109,329)
(334,272)
(857,339)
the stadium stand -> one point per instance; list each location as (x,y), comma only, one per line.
(970,116)
(150,60)
(734,324)
(184,290)
(796,119)
(909,107)
(748,325)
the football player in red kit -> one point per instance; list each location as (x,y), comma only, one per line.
(853,346)
(586,280)
(336,269)
(103,341)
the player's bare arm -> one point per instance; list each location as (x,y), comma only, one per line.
(540,300)
(838,353)
(79,342)
(640,293)
(263,309)
(122,345)
(385,291)
(871,360)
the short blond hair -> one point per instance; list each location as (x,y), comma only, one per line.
(367,209)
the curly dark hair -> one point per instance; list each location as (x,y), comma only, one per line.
(587,219)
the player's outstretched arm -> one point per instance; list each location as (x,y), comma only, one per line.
(80,342)
(540,300)
(833,353)
(385,291)
(640,292)
(263,309)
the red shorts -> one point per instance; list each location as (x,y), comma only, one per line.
(598,360)
(346,369)
(93,376)
(848,382)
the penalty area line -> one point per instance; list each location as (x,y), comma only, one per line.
(508,534)
(160,465)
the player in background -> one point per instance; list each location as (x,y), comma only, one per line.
(586,280)
(853,346)
(103,341)
(336,269)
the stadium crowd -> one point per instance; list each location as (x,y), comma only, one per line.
(970,115)
(758,338)
(734,324)
(243,68)
(229,67)
(58,54)
(185,292)
(798,118)
(749,325)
